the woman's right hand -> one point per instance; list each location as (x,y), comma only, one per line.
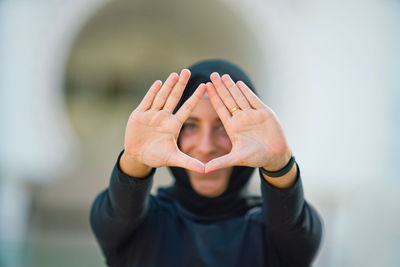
(152,130)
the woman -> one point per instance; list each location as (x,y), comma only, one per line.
(212,131)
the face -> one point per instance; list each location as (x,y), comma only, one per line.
(203,137)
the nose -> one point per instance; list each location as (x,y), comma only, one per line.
(206,143)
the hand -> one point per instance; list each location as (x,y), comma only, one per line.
(152,130)
(257,136)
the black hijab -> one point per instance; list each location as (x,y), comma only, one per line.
(233,202)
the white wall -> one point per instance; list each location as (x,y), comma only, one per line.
(333,82)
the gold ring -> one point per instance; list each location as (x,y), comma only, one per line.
(234,109)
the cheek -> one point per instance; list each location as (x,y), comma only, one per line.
(186,142)
(224,142)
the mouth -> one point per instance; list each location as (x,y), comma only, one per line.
(210,173)
(214,173)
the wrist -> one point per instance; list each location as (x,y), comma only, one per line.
(281,172)
(132,167)
(278,163)
(284,181)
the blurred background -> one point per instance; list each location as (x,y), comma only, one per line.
(72,71)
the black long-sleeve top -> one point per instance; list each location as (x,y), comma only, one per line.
(135,228)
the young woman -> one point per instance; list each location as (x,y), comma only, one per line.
(212,131)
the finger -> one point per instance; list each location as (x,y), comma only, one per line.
(217,103)
(163,93)
(225,161)
(254,101)
(180,159)
(224,94)
(177,91)
(235,92)
(187,108)
(145,104)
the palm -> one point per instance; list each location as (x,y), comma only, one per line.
(152,130)
(256,136)
(255,132)
(158,134)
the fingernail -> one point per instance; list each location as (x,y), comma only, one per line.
(184,70)
(215,74)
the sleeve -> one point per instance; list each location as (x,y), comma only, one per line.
(119,209)
(294,228)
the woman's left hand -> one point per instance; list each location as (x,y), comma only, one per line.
(256,134)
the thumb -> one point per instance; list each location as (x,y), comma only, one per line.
(225,161)
(180,159)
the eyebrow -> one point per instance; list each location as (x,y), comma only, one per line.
(197,119)
(193,118)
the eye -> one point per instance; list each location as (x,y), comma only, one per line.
(189,126)
(220,127)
